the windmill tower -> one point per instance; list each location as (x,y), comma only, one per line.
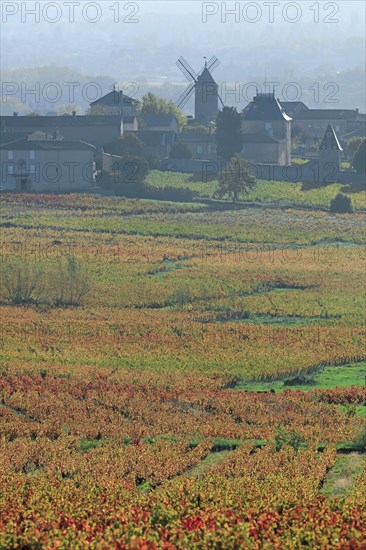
(206,95)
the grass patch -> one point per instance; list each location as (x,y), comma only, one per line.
(326,378)
(87,444)
(211,460)
(341,478)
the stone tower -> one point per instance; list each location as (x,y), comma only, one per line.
(206,98)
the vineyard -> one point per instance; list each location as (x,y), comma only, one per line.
(172,376)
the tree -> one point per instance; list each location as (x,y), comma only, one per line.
(152,104)
(98,110)
(229,137)
(128,144)
(180,151)
(353,145)
(129,176)
(235,179)
(196,129)
(69,108)
(359,160)
(341,204)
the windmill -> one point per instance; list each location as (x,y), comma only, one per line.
(204,87)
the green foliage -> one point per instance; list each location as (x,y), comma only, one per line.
(195,129)
(300,380)
(65,283)
(353,145)
(180,151)
(152,104)
(341,204)
(182,295)
(21,282)
(286,436)
(69,283)
(236,179)
(360,440)
(128,144)
(359,160)
(229,138)
(87,444)
(129,176)
(222,444)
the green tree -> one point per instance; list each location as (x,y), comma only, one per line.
(129,176)
(196,129)
(229,137)
(180,151)
(236,179)
(128,144)
(152,104)
(353,145)
(359,160)
(341,204)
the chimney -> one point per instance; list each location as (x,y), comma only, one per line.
(357,110)
(15,114)
(74,113)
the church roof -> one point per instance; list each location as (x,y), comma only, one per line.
(115,98)
(265,107)
(330,140)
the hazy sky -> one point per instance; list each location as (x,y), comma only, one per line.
(142,39)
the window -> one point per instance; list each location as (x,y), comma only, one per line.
(32,168)
(268,126)
(338,129)
(32,155)
(10,169)
(199,149)
(10,155)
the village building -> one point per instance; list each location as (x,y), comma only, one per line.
(115,103)
(201,146)
(266,131)
(40,163)
(311,124)
(96,130)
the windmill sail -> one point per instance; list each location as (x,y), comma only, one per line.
(186,69)
(185,96)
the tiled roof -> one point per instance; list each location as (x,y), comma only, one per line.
(49,145)
(157,120)
(327,114)
(265,107)
(57,121)
(115,98)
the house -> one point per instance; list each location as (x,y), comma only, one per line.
(96,130)
(130,124)
(266,131)
(158,134)
(311,124)
(202,146)
(157,144)
(115,103)
(35,163)
(158,123)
